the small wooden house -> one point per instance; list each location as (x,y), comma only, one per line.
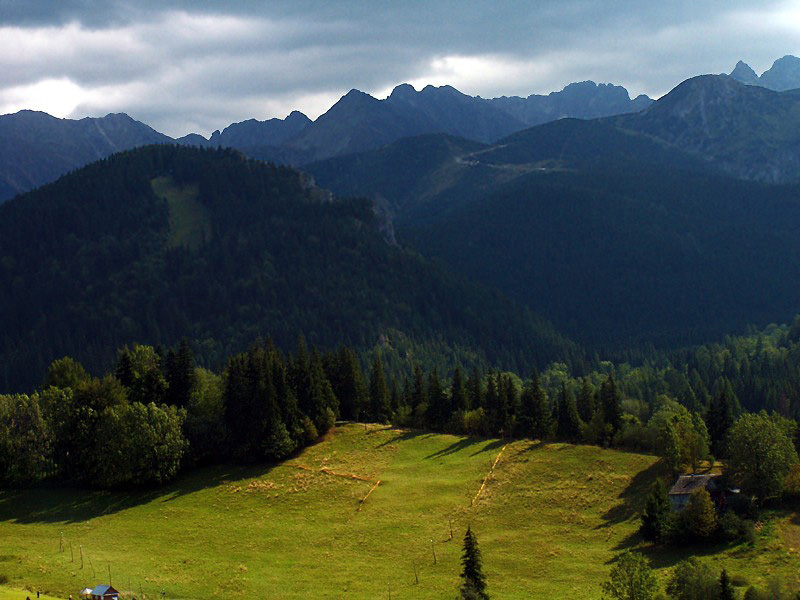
(105,592)
(682,490)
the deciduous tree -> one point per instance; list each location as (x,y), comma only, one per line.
(631,579)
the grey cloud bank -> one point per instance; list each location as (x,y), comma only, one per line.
(198,66)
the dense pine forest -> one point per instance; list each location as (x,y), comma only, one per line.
(165,414)
(165,242)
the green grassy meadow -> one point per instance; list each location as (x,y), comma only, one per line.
(189,222)
(549,522)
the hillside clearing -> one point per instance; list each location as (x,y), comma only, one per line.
(549,521)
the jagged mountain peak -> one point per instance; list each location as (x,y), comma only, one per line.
(744,73)
(784,74)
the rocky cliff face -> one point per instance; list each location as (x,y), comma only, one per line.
(783,75)
(584,100)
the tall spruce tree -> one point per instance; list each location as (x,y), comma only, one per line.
(438,404)
(719,419)
(611,403)
(586,406)
(419,394)
(348,384)
(568,422)
(473,581)
(726,591)
(379,407)
(491,402)
(504,424)
(535,418)
(180,375)
(300,377)
(124,370)
(657,516)
(324,404)
(474,389)
(458,392)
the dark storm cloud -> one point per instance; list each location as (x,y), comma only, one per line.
(200,65)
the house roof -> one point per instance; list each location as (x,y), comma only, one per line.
(686,484)
(102,590)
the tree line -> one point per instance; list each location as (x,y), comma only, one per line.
(158,411)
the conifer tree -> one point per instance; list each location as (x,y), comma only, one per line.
(473,581)
(505,400)
(348,384)
(490,402)
(719,419)
(395,396)
(657,516)
(611,403)
(535,419)
(124,370)
(180,375)
(458,392)
(292,418)
(324,407)
(379,408)
(300,377)
(438,405)
(474,390)
(418,392)
(585,401)
(568,422)
(726,591)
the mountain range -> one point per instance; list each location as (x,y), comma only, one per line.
(670,226)
(479,240)
(36,148)
(784,74)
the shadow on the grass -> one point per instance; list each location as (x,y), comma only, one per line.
(633,497)
(492,445)
(74,505)
(665,556)
(405,436)
(461,444)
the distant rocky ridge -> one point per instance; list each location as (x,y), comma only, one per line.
(584,100)
(359,122)
(783,75)
(745,131)
(36,148)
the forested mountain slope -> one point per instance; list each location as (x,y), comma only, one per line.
(616,235)
(748,132)
(162,242)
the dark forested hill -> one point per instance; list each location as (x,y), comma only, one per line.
(617,236)
(162,242)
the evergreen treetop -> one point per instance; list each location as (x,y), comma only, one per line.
(473,581)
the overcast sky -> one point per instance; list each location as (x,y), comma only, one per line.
(196,66)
